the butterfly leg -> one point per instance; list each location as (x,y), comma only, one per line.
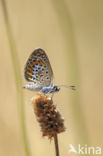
(52,96)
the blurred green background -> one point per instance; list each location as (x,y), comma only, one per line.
(71,32)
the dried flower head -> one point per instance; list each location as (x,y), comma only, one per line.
(49,118)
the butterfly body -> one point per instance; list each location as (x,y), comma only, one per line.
(44,90)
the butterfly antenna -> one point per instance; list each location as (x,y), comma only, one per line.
(66,86)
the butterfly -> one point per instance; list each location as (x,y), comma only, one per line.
(39,74)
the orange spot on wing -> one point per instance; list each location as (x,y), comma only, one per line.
(35,62)
(30,69)
(41,63)
(29,73)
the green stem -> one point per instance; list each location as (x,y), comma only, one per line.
(73,68)
(18,80)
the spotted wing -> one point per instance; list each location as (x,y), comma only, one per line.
(38,68)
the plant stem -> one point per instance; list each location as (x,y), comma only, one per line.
(17,76)
(56,145)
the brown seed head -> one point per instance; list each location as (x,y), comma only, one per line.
(49,118)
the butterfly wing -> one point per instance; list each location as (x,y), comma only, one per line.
(38,68)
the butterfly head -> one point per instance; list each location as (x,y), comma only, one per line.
(55,89)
